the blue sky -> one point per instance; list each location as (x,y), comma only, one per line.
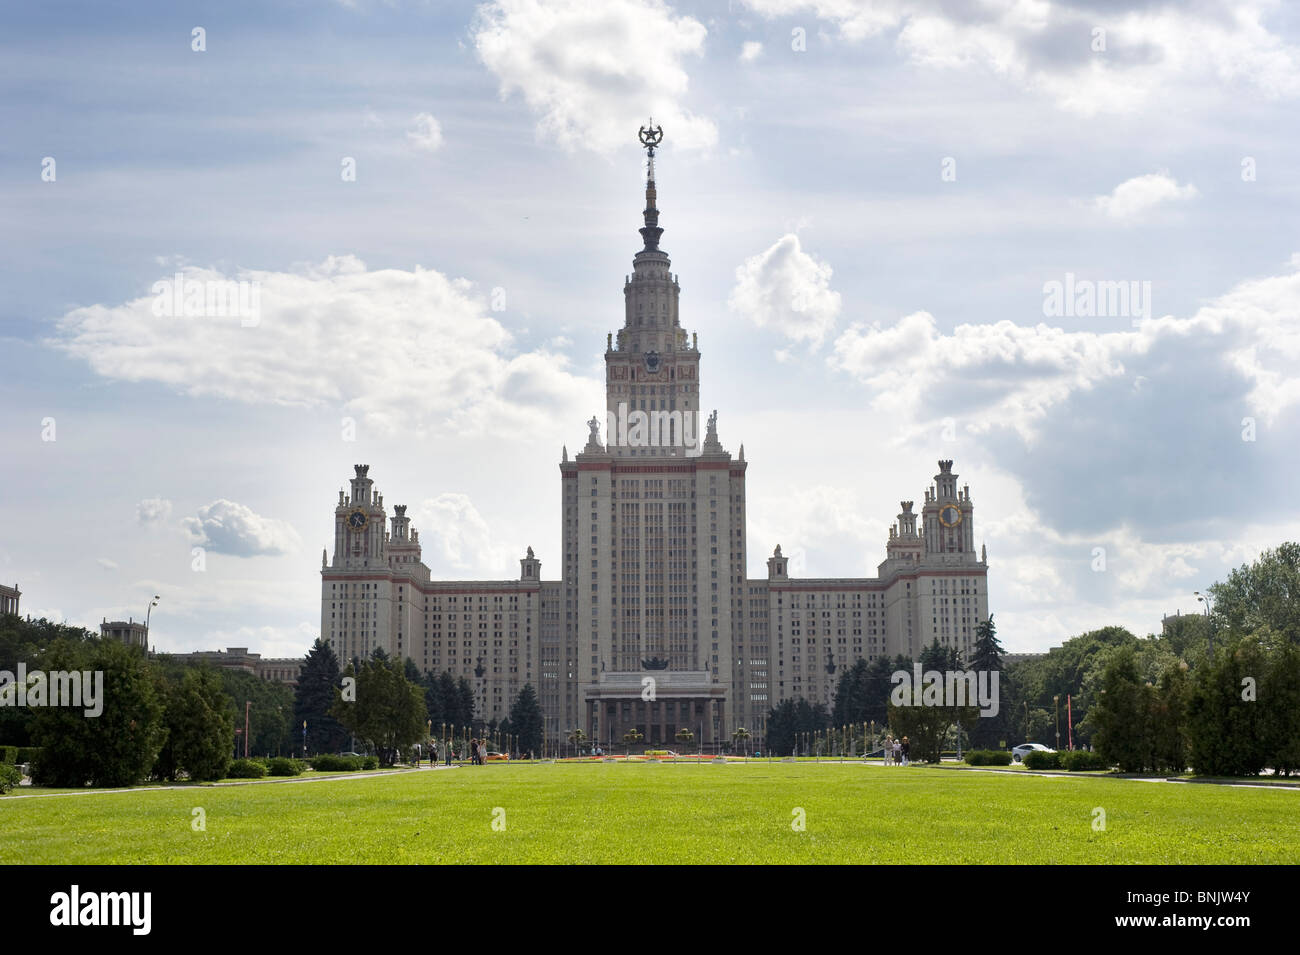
(864,202)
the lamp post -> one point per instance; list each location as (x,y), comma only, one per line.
(1056,703)
(147,613)
(1209,622)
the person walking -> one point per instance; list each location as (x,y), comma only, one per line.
(898,752)
(907,751)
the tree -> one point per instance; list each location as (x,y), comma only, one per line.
(464,704)
(577,737)
(1279,694)
(200,727)
(118,746)
(388,713)
(989,732)
(526,720)
(789,721)
(1121,714)
(1228,726)
(270,716)
(1263,595)
(986,654)
(314,698)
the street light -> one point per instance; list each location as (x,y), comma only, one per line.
(1056,703)
(148,611)
(1209,622)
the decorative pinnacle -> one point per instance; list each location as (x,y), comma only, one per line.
(651,136)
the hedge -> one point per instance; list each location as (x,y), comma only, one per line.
(9,777)
(245,769)
(326,763)
(1037,759)
(988,757)
(1081,760)
(8,755)
(284,766)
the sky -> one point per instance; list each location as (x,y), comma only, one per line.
(1054,242)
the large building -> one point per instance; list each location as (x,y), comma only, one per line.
(654,624)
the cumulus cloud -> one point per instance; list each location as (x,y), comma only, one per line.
(226,527)
(750,51)
(1133,197)
(454,535)
(787,289)
(327,335)
(425,133)
(589,72)
(1051,46)
(1005,374)
(153,510)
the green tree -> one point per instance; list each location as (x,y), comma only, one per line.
(1262,595)
(314,698)
(1122,714)
(388,713)
(119,746)
(526,720)
(270,715)
(1279,694)
(200,727)
(464,703)
(1228,726)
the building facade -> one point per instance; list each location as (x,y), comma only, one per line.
(654,625)
(9,599)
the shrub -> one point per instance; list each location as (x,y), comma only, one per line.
(284,766)
(988,757)
(326,763)
(8,755)
(1041,760)
(1080,760)
(369,762)
(9,777)
(246,769)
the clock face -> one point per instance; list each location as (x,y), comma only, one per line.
(949,516)
(357,520)
(652,362)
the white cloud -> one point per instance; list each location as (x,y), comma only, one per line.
(592,72)
(153,510)
(226,527)
(326,337)
(750,51)
(1133,197)
(1008,374)
(454,535)
(426,133)
(1149,50)
(787,289)
(106,563)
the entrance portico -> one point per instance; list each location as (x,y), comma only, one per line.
(656,703)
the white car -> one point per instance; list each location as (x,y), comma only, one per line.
(1024,749)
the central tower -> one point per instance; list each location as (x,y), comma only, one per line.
(654,533)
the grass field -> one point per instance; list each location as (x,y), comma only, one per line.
(664,813)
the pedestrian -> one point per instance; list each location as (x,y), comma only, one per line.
(446,753)
(907,751)
(898,752)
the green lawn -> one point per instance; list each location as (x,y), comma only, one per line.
(664,813)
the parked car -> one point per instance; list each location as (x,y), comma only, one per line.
(1024,749)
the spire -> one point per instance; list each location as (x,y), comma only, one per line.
(651,136)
